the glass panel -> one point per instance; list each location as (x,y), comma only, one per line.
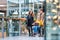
(15,25)
(52,21)
(13,15)
(19,9)
(54,37)
(24,8)
(12,9)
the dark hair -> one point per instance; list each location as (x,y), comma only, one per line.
(41,9)
(31,13)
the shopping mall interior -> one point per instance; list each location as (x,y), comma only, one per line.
(14,12)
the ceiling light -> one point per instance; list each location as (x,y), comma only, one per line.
(58,6)
(47,1)
(54,28)
(58,17)
(59,26)
(49,17)
(55,17)
(56,1)
(53,10)
(50,0)
(2,5)
(1,13)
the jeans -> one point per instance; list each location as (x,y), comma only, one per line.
(41,31)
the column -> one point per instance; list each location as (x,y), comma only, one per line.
(10,27)
(7,9)
(19,17)
(3,26)
(19,8)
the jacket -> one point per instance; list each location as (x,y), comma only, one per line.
(30,20)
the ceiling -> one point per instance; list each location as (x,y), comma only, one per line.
(3,2)
(3,5)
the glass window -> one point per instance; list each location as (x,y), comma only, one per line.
(52,21)
(12,8)
(55,37)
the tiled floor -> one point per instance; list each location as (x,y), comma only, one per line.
(23,38)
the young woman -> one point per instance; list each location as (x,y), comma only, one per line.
(30,20)
(40,20)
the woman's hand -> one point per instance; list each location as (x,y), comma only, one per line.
(33,23)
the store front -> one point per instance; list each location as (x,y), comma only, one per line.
(12,23)
(52,19)
(20,9)
(13,27)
